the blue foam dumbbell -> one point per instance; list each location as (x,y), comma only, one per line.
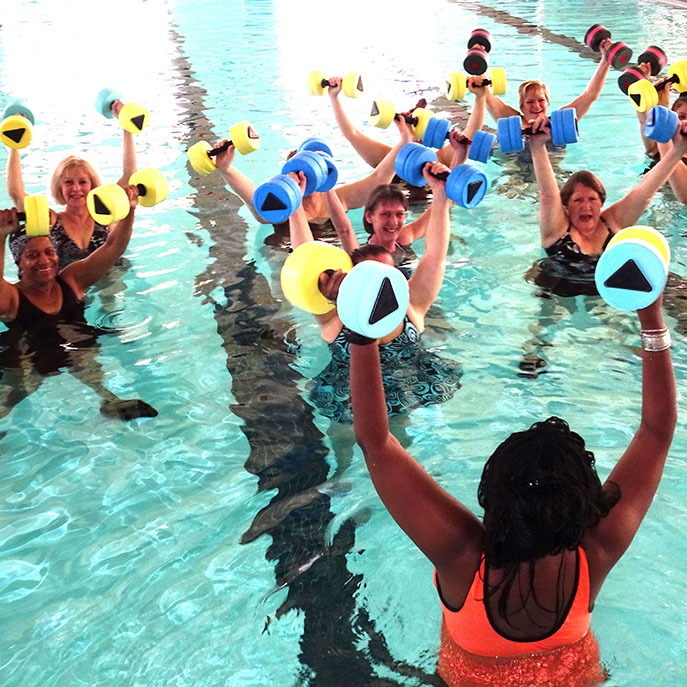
(563,125)
(660,124)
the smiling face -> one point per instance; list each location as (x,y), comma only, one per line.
(38,262)
(584,208)
(387,219)
(75,186)
(534,103)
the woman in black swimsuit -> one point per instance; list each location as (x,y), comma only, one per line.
(571,220)
(44,314)
(74,231)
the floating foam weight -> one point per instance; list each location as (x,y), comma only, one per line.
(332,172)
(643,95)
(16,131)
(509,132)
(476,61)
(456,86)
(480,148)
(480,37)
(36,216)
(199,157)
(108,203)
(18,108)
(595,34)
(301,272)
(466,186)
(564,126)
(660,124)
(314,144)
(632,271)
(628,77)
(655,57)
(436,132)
(313,167)
(410,160)
(241,135)
(352,85)
(152,186)
(277,199)
(104,100)
(382,113)
(373,299)
(619,55)
(133,118)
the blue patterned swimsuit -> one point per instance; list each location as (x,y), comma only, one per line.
(412,376)
(67,251)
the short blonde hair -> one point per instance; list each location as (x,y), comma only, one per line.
(63,168)
(531,85)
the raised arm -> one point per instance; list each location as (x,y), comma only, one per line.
(427,278)
(440,526)
(497,108)
(339,218)
(239,183)
(553,222)
(355,195)
(9,296)
(84,273)
(129,164)
(678,178)
(373,152)
(626,211)
(593,90)
(639,470)
(14,180)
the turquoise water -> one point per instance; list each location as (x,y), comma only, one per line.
(235,539)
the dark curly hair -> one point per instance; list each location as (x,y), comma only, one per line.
(540,493)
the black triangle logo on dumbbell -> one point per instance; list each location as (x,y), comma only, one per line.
(385,303)
(359,85)
(473,187)
(628,277)
(100,207)
(636,98)
(15,134)
(252,133)
(272,203)
(138,121)
(375,110)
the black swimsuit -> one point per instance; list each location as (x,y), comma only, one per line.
(566,248)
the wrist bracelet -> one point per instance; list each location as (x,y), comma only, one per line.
(654,340)
(355,338)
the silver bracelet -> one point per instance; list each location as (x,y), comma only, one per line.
(654,340)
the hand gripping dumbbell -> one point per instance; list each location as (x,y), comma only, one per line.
(465,184)
(36,216)
(383,113)
(456,83)
(563,125)
(644,94)
(351,84)
(373,297)
(660,124)
(242,136)
(654,57)
(110,203)
(132,117)
(437,132)
(633,270)
(619,53)
(16,126)
(278,198)
(476,60)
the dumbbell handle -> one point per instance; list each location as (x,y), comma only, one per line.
(660,85)
(409,119)
(221,149)
(528,130)
(141,189)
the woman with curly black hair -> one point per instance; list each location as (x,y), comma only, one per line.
(518,587)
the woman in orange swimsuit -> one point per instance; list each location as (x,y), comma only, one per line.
(518,587)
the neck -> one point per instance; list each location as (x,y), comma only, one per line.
(38,288)
(76,214)
(388,243)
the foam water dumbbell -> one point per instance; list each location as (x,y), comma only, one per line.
(619,54)
(633,270)
(465,184)
(644,95)
(132,117)
(278,198)
(36,216)
(437,131)
(109,203)
(456,83)
(563,125)
(660,124)
(242,136)
(16,128)
(373,297)
(654,56)
(383,113)
(477,60)
(317,145)
(351,84)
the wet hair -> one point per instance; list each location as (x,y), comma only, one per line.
(63,168)
(540,493)
(383,193)
(585,178)
(680,101)
(529,86)
(368,251)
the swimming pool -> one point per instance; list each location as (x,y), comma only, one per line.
(235,539)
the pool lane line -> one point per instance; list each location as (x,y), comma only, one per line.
(526,27)
(287,450)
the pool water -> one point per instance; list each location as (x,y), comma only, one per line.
(236,538)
